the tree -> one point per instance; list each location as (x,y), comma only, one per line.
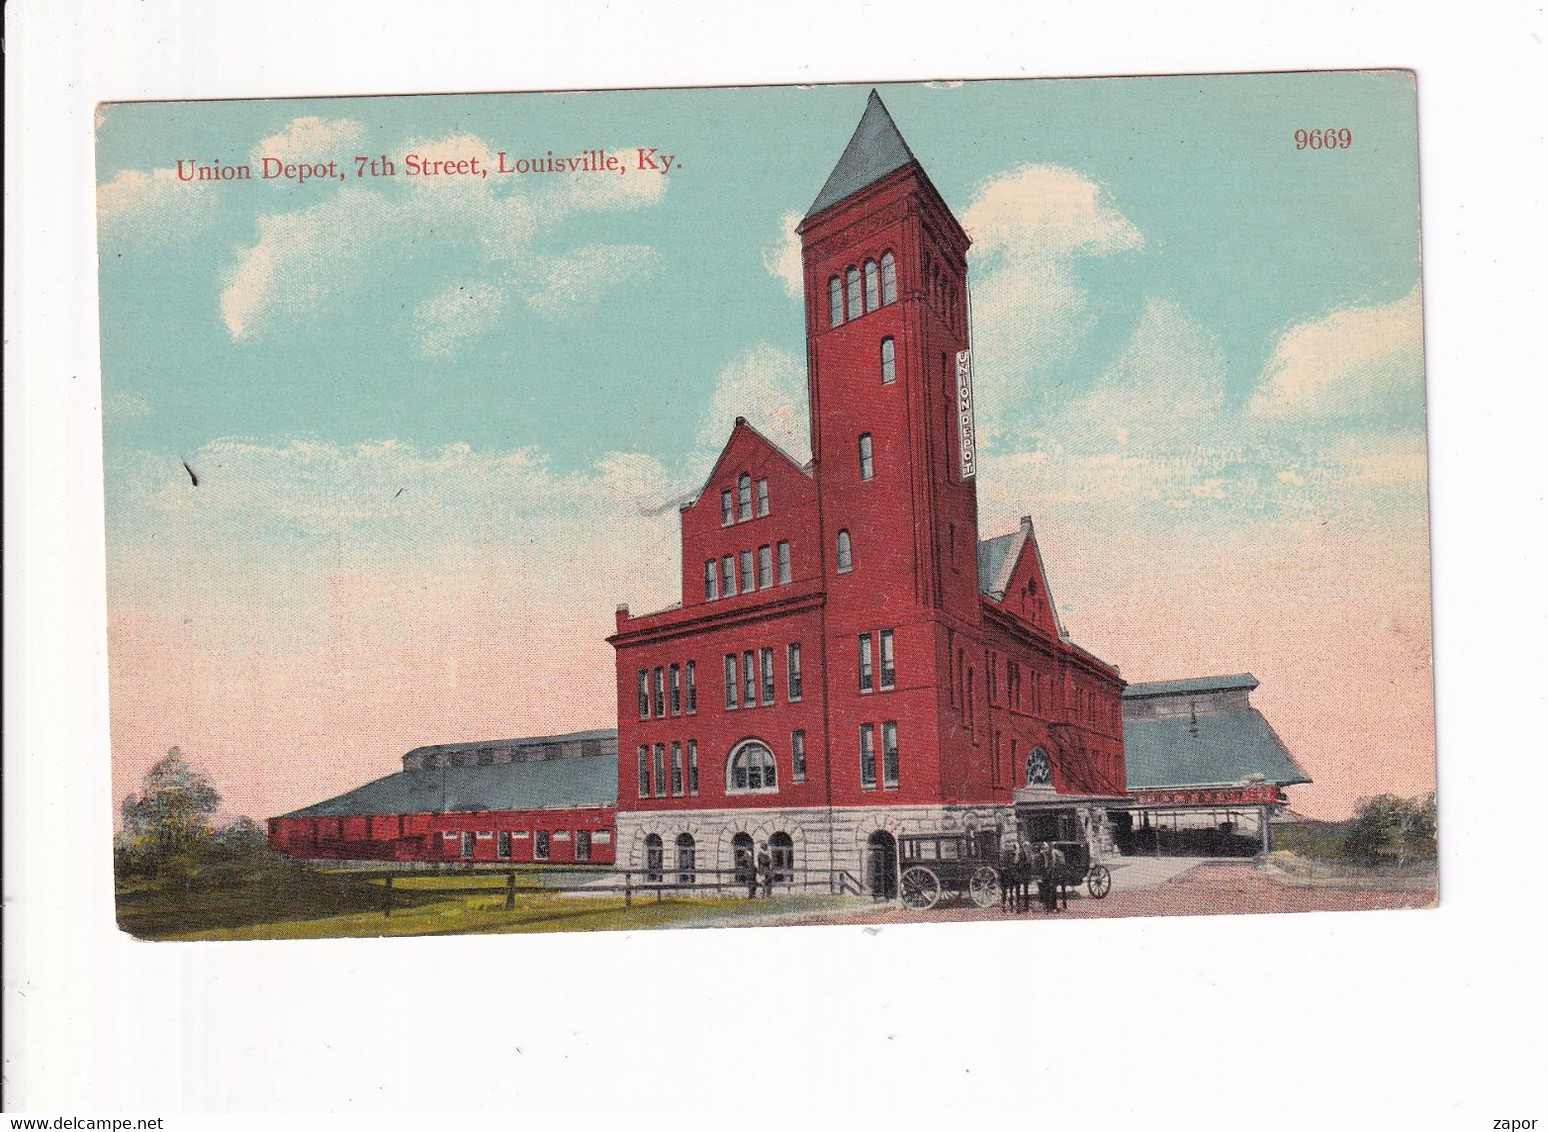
(1387,828)
(172,812)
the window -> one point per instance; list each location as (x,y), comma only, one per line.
(889,363)
(867,756)
(798,756)
(1039,769)
(467,844)
(711,580)
(888,670)
(743,497)
(644,771)
(749,680)
(972,722)
(865,662)
(793,672)
(751,769)
(727,513)
(692,691)
(782,856)
(747,571)
(540,845)
(765,567)
(867,465)
(660,763)
(763,498)
(766,675)
(685,858)
(677,770)
(503,845)
(728,576)
(846,558)
(675,689)
(730,681)
(693,767)
(653,858)
(835,302)
(852,278)
(872,286)
(659,684)
(784,563)
(583,845)
(890,755)
(889,279)
(644,694)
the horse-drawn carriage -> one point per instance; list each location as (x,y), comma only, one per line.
(948,866)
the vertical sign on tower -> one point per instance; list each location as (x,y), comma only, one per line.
(965,413)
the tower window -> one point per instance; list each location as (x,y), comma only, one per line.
(727,513)
(889,368)
(889,279)
(784,563)
(868,756)
(765,567)
(865,662)
(846,558)
(852,278)
(763,498)
(872,288)
(747,571)
(743,497)
(888,669)
(890,755)
(835,302)
(867,466)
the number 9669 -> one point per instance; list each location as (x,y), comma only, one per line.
(1324,139)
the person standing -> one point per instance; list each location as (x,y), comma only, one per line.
(1010,875)
(765,869)
(1045,876)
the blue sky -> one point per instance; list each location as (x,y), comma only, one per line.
(431,419)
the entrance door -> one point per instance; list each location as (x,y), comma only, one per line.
(881,865)
(742,858)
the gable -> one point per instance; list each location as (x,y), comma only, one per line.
(1011,573)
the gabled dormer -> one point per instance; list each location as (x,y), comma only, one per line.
(1011,574)
(751,530)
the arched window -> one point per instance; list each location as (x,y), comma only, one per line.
(852,276)
(653,860)
(872,286)
(742,859)
(867,463)
(835,302)
(889,279)
(750,769)
(782,856)
(743,497)
(1039,769)
(889,365)
(685,858)
(846,560)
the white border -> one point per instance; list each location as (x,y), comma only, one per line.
(1429,1011)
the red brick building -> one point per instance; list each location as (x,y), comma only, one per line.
(850,660)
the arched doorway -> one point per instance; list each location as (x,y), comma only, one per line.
(881,864)
(685,859)
(782,854)
(742,859)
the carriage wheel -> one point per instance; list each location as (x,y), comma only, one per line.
(919,888)
(984,887)
(1099,882)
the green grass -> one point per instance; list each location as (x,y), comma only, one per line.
(272,898)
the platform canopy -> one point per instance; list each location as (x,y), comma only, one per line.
(1214,749)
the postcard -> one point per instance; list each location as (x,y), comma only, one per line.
(766,506)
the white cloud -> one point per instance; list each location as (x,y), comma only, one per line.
(768,387)
(155,205)
(1046,212)
(782,259)
(575,280)
(312,139)
(462,313)
(1355,362)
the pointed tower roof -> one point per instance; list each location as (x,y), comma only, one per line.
(875,150)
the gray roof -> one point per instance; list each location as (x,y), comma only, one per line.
(1219,749)
(875,149)
(1197,684)
(552,784)
(602,737)
(993,553)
